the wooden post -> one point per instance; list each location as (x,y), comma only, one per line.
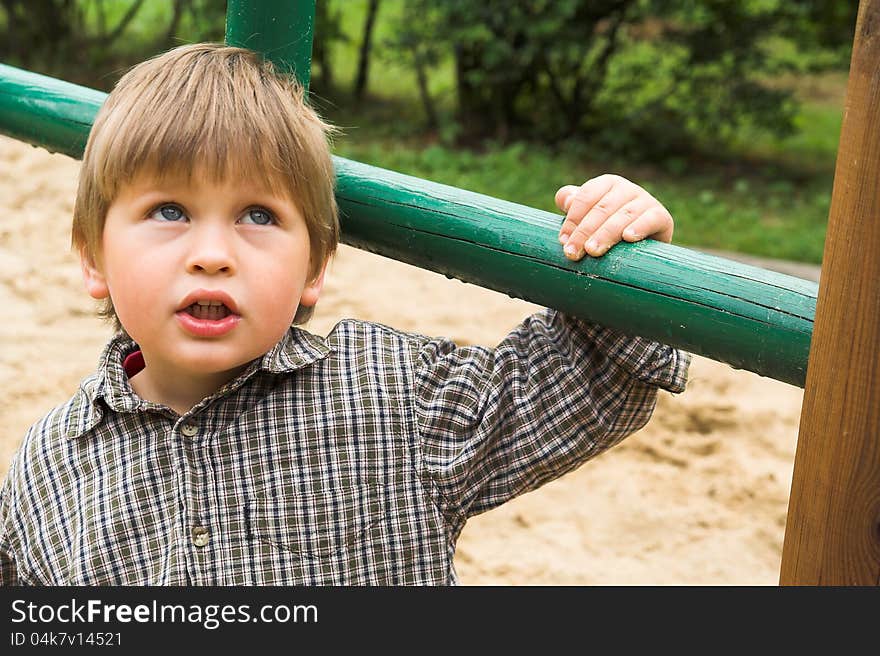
(832,535)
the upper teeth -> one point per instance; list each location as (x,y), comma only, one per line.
(209,303)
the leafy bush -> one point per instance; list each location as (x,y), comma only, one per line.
(645,77)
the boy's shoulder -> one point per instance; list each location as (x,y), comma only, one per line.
(353,333)
(373,345)
(65,421)
(44,454)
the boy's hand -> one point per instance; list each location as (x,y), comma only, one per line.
(604,210)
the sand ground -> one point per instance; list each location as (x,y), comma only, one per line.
(698,496)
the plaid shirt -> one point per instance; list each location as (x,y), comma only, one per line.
(354,459)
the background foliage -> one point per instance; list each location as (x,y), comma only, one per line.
(728,111)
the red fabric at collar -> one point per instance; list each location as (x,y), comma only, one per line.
(133,363)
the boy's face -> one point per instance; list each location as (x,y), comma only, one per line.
(169,245)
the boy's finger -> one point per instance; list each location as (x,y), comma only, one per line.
(564,195)
(585,197)
(609,233)
(564,198)
(616,198)
(654,223)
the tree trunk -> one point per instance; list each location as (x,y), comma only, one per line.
(474,111)
(427,101)
(320,54)
(360,85)
(167,40)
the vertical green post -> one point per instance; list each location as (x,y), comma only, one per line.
(280,29)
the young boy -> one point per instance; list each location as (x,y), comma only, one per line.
(218,444)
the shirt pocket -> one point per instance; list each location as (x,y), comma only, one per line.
(325,524)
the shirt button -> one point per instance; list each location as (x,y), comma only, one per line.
(189,429)
(200,536)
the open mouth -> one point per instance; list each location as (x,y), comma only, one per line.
(208,310)
(210,314)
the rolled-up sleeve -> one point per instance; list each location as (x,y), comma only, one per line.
(557,391)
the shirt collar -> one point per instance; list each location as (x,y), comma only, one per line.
(297,349)
(109,385)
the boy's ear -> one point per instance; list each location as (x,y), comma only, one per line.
(93,278)
(313,289)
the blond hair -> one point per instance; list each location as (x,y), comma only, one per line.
(213,108)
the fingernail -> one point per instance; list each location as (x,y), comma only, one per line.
(629,233)
(563,238)
(592,246)
(571,250)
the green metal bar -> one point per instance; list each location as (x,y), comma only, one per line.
(742,315)
(280,29)
(47,112)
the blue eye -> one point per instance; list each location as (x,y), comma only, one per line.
(258,216)
(167,213)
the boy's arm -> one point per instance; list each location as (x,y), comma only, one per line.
(557,391)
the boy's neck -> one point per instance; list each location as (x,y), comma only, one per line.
(177,390)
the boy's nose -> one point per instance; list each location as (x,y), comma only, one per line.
(211,253)
(209,266)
